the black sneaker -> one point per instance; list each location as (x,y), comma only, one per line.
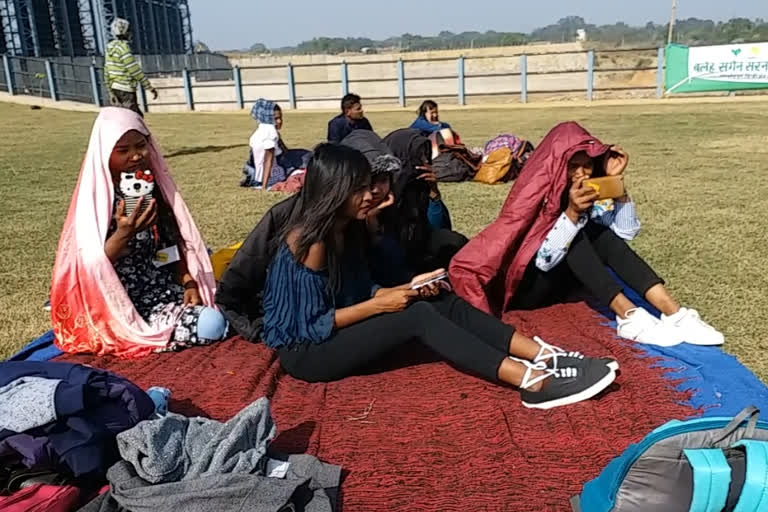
(565,385)
(609,362)
(556,357)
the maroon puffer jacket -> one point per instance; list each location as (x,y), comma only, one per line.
(487,271)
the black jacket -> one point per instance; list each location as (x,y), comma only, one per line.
(368,143)
(240,289)
(408,221)
(339,127)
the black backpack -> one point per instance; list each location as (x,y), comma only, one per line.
(451,160)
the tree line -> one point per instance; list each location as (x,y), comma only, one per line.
(691,31)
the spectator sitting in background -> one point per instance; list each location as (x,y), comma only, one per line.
(122,72)
(351,118)
(429,119)
(262,168)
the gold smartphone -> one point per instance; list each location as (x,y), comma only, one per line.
(607,187)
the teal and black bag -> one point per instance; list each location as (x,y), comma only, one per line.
(701,465)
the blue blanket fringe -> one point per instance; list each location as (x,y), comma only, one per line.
(719,384)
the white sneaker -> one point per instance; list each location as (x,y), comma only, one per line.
(693,329)
(642,327)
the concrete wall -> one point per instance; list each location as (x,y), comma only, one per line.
(374,77)
(555,72)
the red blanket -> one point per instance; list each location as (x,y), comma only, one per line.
(421,435)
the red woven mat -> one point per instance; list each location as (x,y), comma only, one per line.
(423,436)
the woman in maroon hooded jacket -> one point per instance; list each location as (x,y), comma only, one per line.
(553,237)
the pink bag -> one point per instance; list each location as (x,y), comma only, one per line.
(292,185)
(42,498)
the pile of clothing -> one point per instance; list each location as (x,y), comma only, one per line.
(452,161)
(196,464)
(58,428)
(67,429)
(503,158)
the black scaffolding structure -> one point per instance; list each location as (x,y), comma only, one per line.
(76,28)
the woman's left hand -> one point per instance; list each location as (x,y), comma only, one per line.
(616,162)
(430,290)
(386,203)
(192,297)
(430,177)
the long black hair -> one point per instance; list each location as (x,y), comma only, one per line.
(334,173)
(426,105)
(408,219)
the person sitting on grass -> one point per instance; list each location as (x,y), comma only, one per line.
(265,147)
(328,320)
(240,290)
(553,237)
(351,118)
(132,274)
(386,256)
(419,220)
(428,120)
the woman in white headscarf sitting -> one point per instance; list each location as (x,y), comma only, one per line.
(262,171)
(132,274)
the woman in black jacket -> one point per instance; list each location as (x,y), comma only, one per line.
(420,220)
(239,293)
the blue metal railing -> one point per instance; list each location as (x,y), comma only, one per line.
(82,83)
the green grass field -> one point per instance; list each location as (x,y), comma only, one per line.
(697,172)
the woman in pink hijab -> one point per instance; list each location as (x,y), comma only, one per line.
(132,275)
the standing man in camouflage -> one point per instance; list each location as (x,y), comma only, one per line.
(121,71)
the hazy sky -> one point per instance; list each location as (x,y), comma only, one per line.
(231,24)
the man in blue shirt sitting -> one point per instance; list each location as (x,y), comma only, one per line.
(351,118)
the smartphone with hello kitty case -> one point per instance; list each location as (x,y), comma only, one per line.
(134,186)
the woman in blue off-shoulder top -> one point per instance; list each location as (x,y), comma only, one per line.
(329,320)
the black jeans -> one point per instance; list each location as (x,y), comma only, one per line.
(461,334)
(442,246)
(594,247)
